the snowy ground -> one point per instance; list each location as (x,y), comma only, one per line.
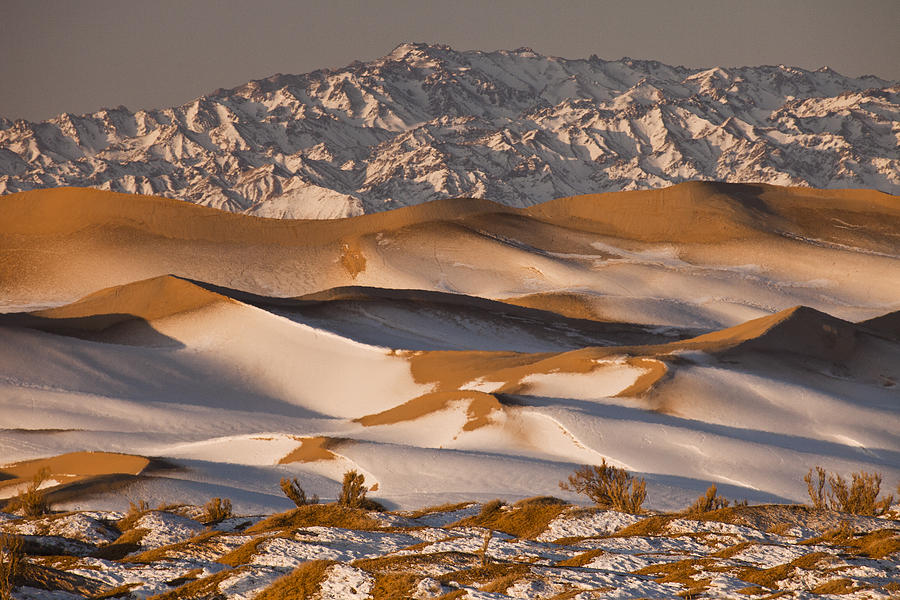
(569,552)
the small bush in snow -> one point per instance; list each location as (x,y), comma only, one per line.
(32,502)
(608,487)
(858,496)
(708,502)
(216,510)
(353,493)
(292,489)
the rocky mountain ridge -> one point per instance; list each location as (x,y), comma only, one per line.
(428,122)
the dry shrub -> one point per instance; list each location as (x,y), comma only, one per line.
(216,510)
(303,582)
(859,496)
(708,502)
(12,559)
(608,487)
(31,502)
(815,487)
(297,495)
(353,493)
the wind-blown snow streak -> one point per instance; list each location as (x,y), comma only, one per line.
(428,122)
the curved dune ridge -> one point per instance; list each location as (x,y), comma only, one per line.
(456,350)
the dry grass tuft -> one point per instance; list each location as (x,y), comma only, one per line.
(836,587)
(608,487)
(125,544)
(171,551)
(31,502)
(655,525)
(770,577)
(303,582)
(580,560)
(681,572)
(324,515)
(244,553)
(494,573)
(353,493)
(393,585)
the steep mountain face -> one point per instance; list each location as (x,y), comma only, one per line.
(428,122)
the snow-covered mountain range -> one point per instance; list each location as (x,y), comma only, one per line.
(428,122)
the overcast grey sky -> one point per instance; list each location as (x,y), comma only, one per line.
(80,56)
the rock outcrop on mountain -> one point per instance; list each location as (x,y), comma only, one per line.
(428,122)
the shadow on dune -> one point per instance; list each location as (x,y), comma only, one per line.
(823,448)
(114,328)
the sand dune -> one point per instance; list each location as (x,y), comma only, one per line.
(636,256)
(457,349)
(250,384)
(64,470)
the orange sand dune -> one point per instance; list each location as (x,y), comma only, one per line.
(711,212)
(67,469)
(51,240)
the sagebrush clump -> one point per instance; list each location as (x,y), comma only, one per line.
(859,496)
(608,487)
(292,489)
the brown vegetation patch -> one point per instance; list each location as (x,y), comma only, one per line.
(733,550)
(655,525)
(303,582)
(312,449)
(681,572)
(323,515)
(480,406)
(170,551)
(486,575)
(205,587)
(525,519)
(770,577)
(244,553)
(580,560)
(125,544)
(835,586)
(433,510)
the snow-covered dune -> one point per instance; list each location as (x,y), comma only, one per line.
(236,390)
